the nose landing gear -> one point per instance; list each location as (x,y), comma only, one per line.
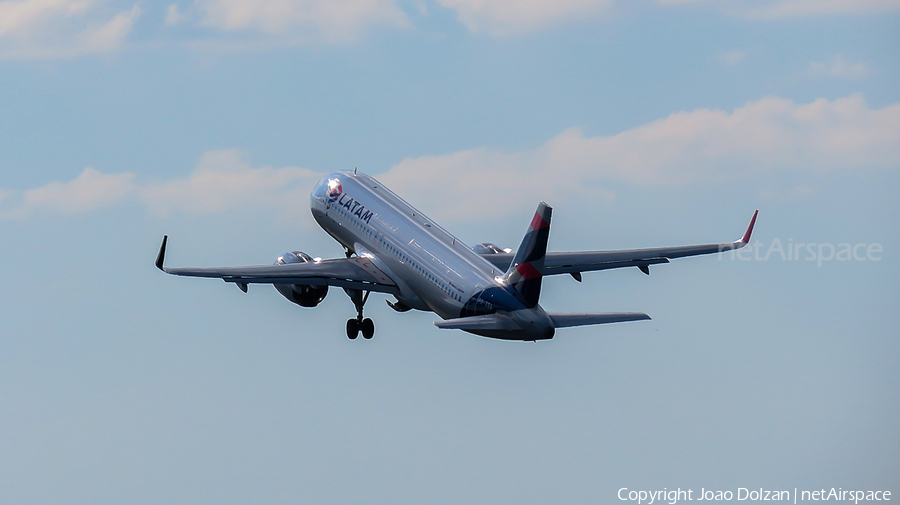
(355,326)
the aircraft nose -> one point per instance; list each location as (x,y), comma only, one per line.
(321,188)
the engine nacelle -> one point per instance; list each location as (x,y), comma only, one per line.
(489,248)
(303,295)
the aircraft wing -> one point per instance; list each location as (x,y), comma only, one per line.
(352,273)
(563,320)
(586,261)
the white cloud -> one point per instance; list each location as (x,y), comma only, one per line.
(506,17)
(109,37)
(803,8)
(732,58)
(676,2)
(61,28)
(698,147)
(17,17)
(306,20)
(469,184)
(174,16)
(839,67)
(32,29)
(701,147)
(224,181)
(89,191)
(777,9)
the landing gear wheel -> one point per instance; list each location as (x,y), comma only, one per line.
(368,328)
(353,329)
(354,326)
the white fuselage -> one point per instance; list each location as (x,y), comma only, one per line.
(434,270)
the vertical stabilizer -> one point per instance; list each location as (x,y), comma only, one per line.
(527,267)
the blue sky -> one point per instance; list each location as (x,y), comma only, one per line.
(642,123)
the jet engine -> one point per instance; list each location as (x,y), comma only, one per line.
(302,295)
(489,248)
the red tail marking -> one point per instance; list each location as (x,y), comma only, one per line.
(538,222)
(527,271)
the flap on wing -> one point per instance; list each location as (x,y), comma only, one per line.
(585,318)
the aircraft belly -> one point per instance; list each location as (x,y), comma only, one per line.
(431,295)
(444,305)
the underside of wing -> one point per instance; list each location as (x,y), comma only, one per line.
(566,320)
(496,322)
(559,320)
(352,273)
(504,327)
(586,261)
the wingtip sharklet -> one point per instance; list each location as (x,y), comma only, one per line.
(161,256)
(746,238)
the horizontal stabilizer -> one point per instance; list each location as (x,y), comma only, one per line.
(485,322)
(586,318)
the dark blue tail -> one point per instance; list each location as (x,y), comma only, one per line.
(527,268)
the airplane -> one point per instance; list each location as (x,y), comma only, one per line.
(393,248)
